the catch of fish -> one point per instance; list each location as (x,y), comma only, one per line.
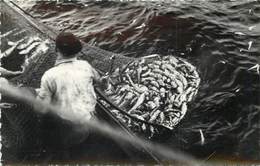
(155,89)
(30,46)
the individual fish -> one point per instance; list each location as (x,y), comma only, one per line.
(183,80)
(168,67)
(249,45)
(155,84)
(30,41)
(43,47)
(179,89)
(10,43)
(160,82)
(19,32)
(126,102)
(130,80)
(183,109)
(190,76)
(162,92)
(137,116)
(188,90)
(148,79)
(145,68)
(28,49)
(139,70)
(173,84)
(158,71)
(251,28)
(183,97)
(141,26)
(146,73)
(257,67)
(154,116)
(109,90)
(157,100)
(190,96)
(146,115)
(162,117)
(240,33)
(142,89)
(202,138)
(197,82)
(151,105)
(178,101)
(172,99)
(152,131)
(9,51)
(173,61)
(121,99)
(138,103)
(144,128)
(151,56)
(7,33)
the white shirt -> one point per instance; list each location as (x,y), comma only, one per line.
(69,85)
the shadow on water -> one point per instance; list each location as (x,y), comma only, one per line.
(214,36)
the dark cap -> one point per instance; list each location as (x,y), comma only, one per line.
(68,44)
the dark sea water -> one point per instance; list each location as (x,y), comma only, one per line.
(220,37)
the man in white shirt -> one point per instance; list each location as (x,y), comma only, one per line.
(69,86)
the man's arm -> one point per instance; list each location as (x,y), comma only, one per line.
(5,72)
(44,93)
(100,81)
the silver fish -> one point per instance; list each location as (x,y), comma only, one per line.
(183,110)
(138,102)
(10,43)
(41,49)
(7,33)
(19,32)
(9,51)
(30,41)
(151,56)
(28,49)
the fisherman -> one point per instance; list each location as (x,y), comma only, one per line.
(69,86)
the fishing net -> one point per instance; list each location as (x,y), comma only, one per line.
(25,46)
(154,89)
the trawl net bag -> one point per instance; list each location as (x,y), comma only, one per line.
(153,89)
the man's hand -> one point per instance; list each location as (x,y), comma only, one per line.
(104,81)
(5,72)
(17,72)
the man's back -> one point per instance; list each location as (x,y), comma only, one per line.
(70,87)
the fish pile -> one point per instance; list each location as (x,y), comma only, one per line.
(154,89)
(30,46)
